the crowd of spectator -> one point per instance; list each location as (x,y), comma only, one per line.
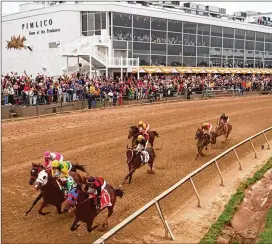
(27,90)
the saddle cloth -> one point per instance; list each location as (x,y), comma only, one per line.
(105,200)
(145,157)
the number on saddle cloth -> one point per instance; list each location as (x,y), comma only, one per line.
(70,183)
(145,157)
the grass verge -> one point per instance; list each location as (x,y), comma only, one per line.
(233,204)
(266,236)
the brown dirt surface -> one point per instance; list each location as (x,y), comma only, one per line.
(99,139)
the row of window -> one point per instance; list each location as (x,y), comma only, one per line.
(93,21)
(139,35)
(144,22)
(202,61)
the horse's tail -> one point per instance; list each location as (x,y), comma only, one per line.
(156,134)
(119,193)
(79,167)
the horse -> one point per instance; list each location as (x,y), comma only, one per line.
(134,132)
(203,141)
(220,130)
(51,192)
(37,168)
(86,210)
(134,162)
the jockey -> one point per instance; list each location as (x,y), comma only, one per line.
(61,171)
(50,156)
(144,127)
(224,120)
(93,186)
(141,145)
(206,128)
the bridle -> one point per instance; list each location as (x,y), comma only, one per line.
(39,168)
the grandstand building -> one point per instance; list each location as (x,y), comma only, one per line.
(116,37)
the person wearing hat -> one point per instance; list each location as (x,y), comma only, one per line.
(224,120)
(206,128)
(144,127)
(60,170)
(94,187)
(50,156)
(142,143)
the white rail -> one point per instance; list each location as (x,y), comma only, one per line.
(156,200)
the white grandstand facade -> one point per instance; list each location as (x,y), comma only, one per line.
(119,36)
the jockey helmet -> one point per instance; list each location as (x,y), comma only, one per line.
(47,154)
(90,179)
(55,164)
(141,123)
(140,137)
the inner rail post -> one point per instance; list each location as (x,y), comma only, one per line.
(266,141)
(253,148)
(240,165)
(222,181)
(198,198)
(166,226)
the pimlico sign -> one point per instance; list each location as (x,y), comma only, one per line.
(39,24)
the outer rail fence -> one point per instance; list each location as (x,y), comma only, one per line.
(156,200)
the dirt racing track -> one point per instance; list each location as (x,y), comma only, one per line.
(99,140)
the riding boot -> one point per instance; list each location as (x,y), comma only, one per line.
(98,205)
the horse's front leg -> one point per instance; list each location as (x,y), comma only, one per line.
(34,203)
(128,175)
(74,225)
(43,204)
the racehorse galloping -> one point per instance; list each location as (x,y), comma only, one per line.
(134,132)
(37,168)
(203,141)
(220,129)
(134,161)
(86,208)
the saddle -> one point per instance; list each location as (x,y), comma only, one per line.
(105,199)
(145,157)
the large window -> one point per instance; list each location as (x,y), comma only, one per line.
(144,59)
(189,27)
(140,35)
(250,35)
(175,26)
(259,46)
(203,61)
(141,22)
(120,33)
(216,31)
(92,23)
(203,29)
(174,38)
(239,44)
(268,38)
(239,34)
(228,43)
(174,50)
(189,61)
(140,47)
(203,41)
(189,51)
(158,60)
(174,60)
(216,52)
(158,24)
(158,49)
(158,36)
(228,32)
(260,36)
(189,40)
(216,42)
(121,19)
(203,51)
(249,45)
(239,53)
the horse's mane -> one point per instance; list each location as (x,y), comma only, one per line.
(37,165)
(133,127)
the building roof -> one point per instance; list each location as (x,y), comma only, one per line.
(123,7)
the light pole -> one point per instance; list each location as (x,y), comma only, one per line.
(60,54)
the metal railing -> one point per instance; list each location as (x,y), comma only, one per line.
(156,200)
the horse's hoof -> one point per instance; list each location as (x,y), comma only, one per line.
(120,186)
(25,214)
(105,226)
